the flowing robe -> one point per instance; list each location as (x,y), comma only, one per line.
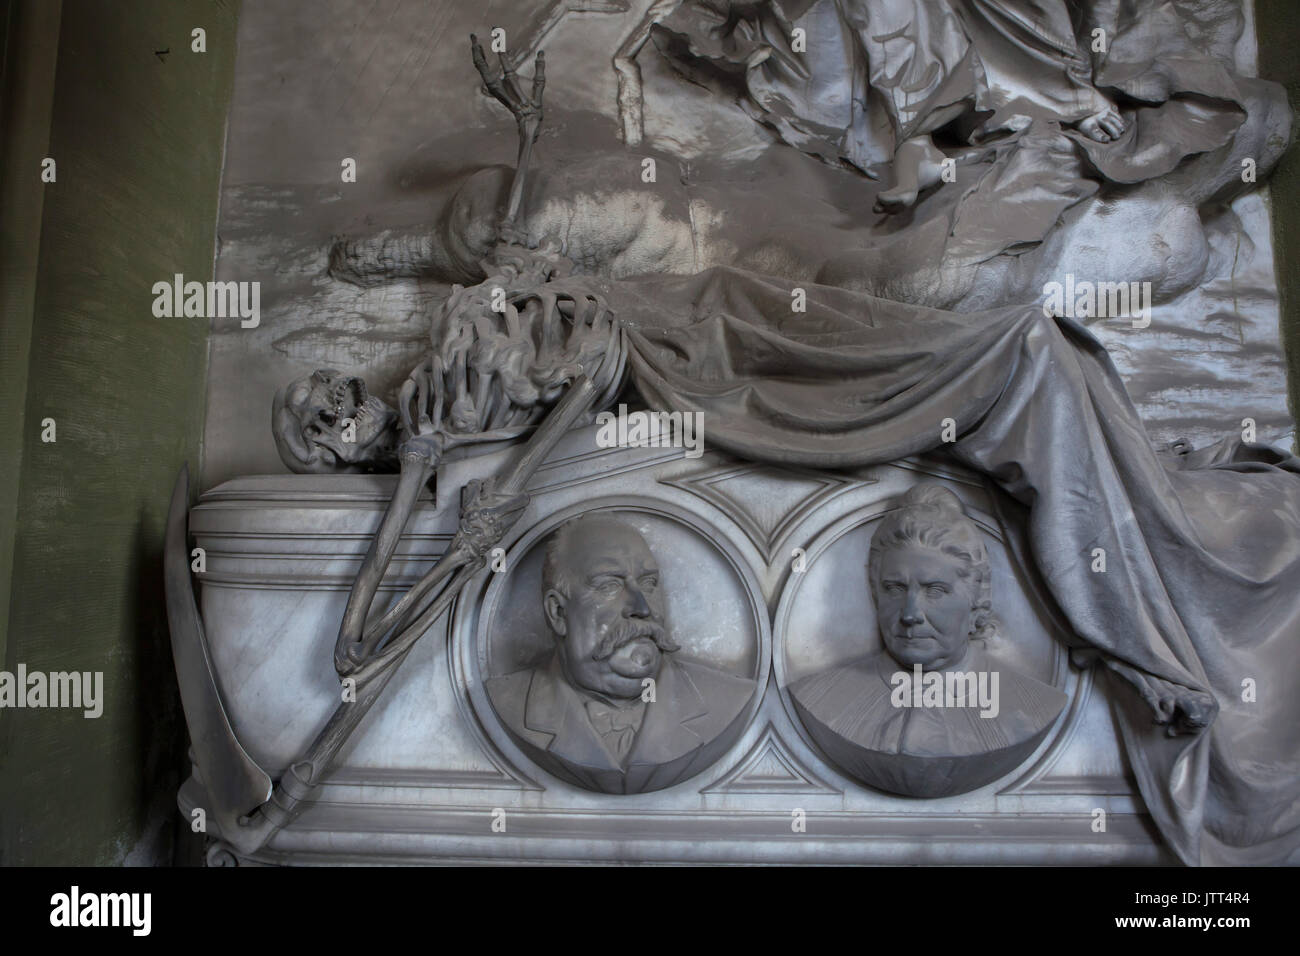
(1005,78)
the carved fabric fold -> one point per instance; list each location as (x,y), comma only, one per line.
(1201,591)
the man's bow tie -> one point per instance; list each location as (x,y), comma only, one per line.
(616,725)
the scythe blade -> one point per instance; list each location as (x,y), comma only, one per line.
(235,784)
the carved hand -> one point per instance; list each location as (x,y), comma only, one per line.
(526,110)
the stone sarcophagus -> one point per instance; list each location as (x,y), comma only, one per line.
(767,719)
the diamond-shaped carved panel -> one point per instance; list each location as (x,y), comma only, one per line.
(769,767)
(765,502)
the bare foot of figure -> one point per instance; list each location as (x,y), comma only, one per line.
(1105,126)
(918,165)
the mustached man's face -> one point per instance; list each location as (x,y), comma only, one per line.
(924,606)
(611,624)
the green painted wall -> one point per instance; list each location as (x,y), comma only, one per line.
(29,48)
(1278,27)
(138,140)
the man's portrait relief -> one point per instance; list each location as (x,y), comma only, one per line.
(933,713)
(619,706)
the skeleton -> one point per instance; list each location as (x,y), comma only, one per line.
(549,354)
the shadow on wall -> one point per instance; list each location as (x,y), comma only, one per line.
(159,732)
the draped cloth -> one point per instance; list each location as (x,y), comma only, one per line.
(873,73)
(1006,78)
(1200,597)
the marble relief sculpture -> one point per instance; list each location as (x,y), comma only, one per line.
(933,714)
(866,373)
(618,707)
(981,66)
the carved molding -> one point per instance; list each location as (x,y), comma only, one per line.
(767,503)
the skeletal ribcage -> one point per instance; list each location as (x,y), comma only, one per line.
(492,373)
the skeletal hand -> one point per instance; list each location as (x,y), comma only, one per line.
(505,88)
(486,515)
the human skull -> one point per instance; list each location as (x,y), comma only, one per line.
(327,423)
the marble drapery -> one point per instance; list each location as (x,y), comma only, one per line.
(1005,79)
(1201,588)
